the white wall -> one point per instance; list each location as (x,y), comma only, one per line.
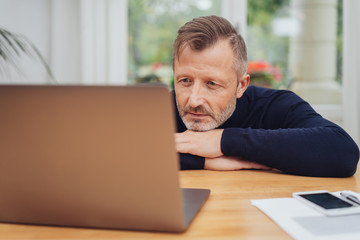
(32,19)
(351,68)
(84,41)
(65,59)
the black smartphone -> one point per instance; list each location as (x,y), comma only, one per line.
(327,203)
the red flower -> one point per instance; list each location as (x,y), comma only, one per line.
(258,67)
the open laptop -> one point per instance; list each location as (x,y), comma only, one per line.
(92,156)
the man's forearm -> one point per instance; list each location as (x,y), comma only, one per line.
(188,161)
(321,151)
(226,163)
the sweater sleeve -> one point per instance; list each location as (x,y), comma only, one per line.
(188,161)
(318,151)
(303,143)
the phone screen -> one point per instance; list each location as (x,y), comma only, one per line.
(326,200)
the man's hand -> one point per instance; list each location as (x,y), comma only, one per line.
(204,144)
(225,163)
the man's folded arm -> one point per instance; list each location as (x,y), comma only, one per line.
(326,151)
(189,161)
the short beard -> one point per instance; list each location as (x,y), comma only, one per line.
(196,125)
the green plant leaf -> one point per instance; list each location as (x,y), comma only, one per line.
(12,46)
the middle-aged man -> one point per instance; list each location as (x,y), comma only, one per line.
(225,124)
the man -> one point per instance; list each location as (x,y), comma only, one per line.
(225,124)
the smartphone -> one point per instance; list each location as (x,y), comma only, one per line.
(327,203)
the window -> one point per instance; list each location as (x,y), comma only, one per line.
(297,45)
(152,27)
(291,44)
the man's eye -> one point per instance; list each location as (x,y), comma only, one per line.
(211,83)
(185,80)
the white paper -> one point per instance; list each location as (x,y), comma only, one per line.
(302,222)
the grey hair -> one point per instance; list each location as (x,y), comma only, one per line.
(203,32)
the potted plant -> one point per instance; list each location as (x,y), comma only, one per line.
(12,46)
(263,74)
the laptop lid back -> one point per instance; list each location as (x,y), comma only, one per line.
(89,156)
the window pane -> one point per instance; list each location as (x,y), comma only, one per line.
(153,26)
(297,44)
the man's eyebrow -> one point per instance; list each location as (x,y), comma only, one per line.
(182,75)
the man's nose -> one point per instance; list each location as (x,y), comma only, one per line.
(196,96)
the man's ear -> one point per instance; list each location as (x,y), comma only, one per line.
(242,86)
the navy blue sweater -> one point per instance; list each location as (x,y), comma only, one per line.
(280,130)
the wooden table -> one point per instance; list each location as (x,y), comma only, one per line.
(228,213)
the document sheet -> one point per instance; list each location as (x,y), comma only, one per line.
(302,222)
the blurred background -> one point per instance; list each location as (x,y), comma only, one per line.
(308,46)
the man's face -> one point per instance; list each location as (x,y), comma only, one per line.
(206,86)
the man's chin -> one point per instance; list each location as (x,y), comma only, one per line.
(200,127)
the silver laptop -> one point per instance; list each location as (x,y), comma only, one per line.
(92,156)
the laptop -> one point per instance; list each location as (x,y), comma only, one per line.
(92,156)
